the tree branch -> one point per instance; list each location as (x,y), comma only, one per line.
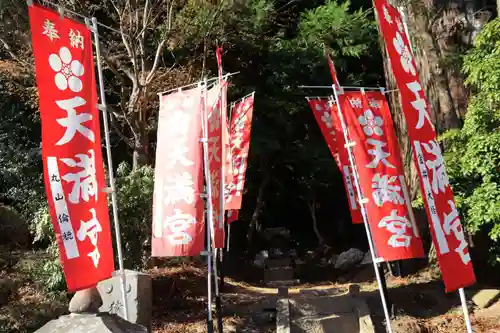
(159,52)
(11,53)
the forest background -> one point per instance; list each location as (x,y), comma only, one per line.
(292,180)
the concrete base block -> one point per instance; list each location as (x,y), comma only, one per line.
(139,297)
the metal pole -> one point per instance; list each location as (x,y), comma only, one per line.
(343,87)
(102,106)
(348,146)
(222,199)
(463,300)
(204,140)
(405,26)
(218,303)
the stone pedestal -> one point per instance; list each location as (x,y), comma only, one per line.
(90,323)
(139,297)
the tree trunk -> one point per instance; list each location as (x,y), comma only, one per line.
(254,223)
(140,155)
(439,33)
(312,209)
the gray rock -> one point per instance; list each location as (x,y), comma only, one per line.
(367,260)
(333,259)
(349,259)
(85,301)
(276,253)
(139,297)
(260,259)
(90,323)
(270,233)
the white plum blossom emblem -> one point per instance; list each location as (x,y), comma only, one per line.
(327,119)
(67,70)
(387,16)
(406,58)
(400,25)
(371,123)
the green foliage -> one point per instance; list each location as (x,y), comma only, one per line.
(473,155)
(48,272)
(135,204)
(134,193)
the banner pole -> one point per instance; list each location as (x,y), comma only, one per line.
(209,219)
(102,106)
(463,300)
(363,210)
(222,197)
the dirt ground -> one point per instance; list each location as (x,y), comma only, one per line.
(179,305)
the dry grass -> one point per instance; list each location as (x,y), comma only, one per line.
(26,307)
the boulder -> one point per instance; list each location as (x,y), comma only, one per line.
(260,259)
(349,259)
(367,259)
(85,301)
(333,259)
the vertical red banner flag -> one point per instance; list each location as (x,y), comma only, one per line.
(326,115)
(240,132)
(447,233)
(381,177)
(217,122)
(71,147)
(232,215)
(178,208)
(333,72)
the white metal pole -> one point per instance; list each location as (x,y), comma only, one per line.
(102,106)
(405,26)
(204,123)
(228,242)
(348,145)
(463,300)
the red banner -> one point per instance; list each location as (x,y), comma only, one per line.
(71,147)
(333,72)
(232,215)
(178,208)
(241,127)
(447,233)
(381,176)
(329,124)
(217,121)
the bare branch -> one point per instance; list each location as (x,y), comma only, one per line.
(11,53)
(159,52)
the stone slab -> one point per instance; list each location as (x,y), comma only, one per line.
(324,305)
(486,297)
(277,274)
(139,297)
(90,323)
(282,283)
(274,263)
(345,323)
(283,316)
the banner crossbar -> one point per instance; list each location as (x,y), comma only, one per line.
(343,87)
(196,83)
(64,9)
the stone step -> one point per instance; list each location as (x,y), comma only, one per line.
(275,263)
(276,274)
(283,283)
(322,305)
